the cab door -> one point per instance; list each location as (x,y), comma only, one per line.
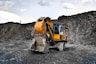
(56,32)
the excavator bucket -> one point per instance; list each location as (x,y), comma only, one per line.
(39,45)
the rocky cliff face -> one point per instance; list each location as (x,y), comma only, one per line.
(80,28)
(15,31)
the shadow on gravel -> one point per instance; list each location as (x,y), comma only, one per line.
(33,52)
(51,50)
(68,49)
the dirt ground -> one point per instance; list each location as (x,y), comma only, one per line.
(16,51)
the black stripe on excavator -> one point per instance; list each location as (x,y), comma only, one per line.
(58,41)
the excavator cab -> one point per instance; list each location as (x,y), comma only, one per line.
(58,29)
(58,35)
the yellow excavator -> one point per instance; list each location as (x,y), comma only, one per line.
(47,35)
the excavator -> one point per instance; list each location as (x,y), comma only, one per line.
(48,35)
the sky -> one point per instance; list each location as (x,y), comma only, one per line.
(31,10)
